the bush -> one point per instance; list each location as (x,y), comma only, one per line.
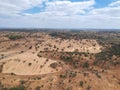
(38,88)
(29,64)
(63,76)
(22,82)
(53,65)
(81,83)
(73,74)
(88,88)
(86,65)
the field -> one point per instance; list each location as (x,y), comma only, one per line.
(59,60)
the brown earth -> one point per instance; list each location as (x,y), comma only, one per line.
(22,64)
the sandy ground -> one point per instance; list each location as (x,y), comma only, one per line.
(28,64)
(21,63)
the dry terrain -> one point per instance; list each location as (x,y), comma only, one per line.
(63,60)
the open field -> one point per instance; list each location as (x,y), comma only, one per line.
(59,60)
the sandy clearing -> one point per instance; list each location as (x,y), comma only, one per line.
(32,64)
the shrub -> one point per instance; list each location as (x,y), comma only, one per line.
(98,75)
(37,88)
(13,73)
(81,83)
(30,47)
(73,74)
(86,65)
(39,55)
(22,82)
(88,88)
(53,65)
(29,64)
(63,76)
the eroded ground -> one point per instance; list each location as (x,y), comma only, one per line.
(49,61)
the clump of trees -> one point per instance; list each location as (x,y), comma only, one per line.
(67,58)
(14,36)
(109,52)
(105,58)
(17,88)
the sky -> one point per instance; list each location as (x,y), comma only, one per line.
(68,14)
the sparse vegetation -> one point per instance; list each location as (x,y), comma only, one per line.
(64,60)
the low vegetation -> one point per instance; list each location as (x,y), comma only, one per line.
(64,60)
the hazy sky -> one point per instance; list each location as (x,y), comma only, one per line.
(60,14)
